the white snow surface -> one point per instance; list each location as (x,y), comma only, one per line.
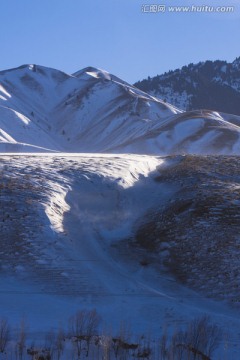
(90,202)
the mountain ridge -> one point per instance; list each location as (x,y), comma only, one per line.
(43,109)
(213,85)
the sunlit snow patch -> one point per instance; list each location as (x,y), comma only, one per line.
(57,206)
(4,91)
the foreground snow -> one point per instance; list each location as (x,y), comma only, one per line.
(65,217)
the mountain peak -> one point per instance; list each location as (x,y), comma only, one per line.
(94,72)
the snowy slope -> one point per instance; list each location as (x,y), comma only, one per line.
(89,110)
(94,111)
(193,132)
(68,231)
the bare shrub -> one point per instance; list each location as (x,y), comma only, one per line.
(83,326)
(50,340)
(4,334)
(199,341)
(164,346)
(203,335)
(144,350)
(122,344)
(21,340)
(60,343)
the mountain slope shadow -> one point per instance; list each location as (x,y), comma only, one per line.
(181,220)
(195,236)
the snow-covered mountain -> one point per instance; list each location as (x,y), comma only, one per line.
(211,85)
(43,109)
(90,110)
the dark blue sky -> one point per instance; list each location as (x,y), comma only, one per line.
(114,35)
